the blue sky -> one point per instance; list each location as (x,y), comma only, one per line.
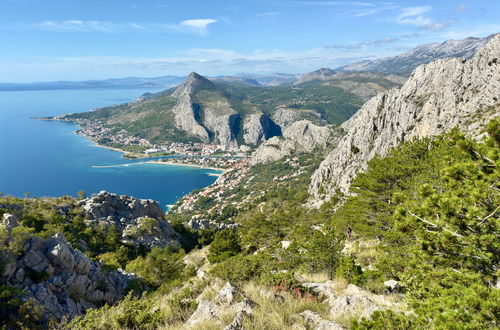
(47,40)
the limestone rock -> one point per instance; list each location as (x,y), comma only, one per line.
(259,127)
(140,221)
(203,224)
(285,117)
(353,301)
(61,280)
(318,323)
(302,136)
(224,302)
(437,97)
(10,221)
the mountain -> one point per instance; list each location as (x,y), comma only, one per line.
(321,74)
(130,82)
(272,79)
(408,237)
(405,63)
(232,111)
(436,97)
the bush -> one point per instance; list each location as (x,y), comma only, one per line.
(159,266)
(225,245)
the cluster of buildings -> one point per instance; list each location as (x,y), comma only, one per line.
(209,162)
(98,132)
(219,189)
(188,149)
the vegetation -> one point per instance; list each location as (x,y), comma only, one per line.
(427,215)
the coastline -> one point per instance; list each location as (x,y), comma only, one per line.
(185,164)
(141,156)
(163,163)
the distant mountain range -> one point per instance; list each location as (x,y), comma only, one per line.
(401,65)
(405,63)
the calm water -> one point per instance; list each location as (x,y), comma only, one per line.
(47,158)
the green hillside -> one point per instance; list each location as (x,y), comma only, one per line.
(151,116)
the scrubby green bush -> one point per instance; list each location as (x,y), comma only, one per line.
(225,245)
(160,266)
(132,313)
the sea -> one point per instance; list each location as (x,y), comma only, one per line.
(47,158)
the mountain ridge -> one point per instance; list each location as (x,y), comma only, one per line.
(434,99)
(405,63)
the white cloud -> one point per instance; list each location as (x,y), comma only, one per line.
(80,26)
(193,26)
(415,16)
(198,26)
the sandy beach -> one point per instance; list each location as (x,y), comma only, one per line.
(164,163)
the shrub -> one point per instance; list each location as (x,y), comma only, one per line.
(225,245)
(159,266)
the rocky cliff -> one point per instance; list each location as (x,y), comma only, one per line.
(301,136)
(140,221)
(204,111)
(62,281)
(437,97)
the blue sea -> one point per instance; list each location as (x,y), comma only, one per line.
(47,158)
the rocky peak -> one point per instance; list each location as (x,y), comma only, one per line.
(437,97)
(193,83)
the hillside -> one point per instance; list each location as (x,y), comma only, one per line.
(232,112)
(405,63)
(436,97)
(404,234)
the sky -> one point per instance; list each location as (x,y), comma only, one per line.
(50,40)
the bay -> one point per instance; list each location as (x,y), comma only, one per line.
(47,158)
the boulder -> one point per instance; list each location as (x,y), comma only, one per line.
(61,280)
(318,323)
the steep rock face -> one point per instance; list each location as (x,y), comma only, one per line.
(140,221)
(63,281)
(405,63)
(212,120)
(436,97)
(187,115)
(258,127)
(253,130)
(302,136)
(285,117)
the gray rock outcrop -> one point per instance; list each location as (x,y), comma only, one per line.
(211,121)
(437,97)
(228,300)
(63,281)
(204,224)
(318,323)
(302,136)
(140,221)
(285,117)
(258,127)
(186,114)
(353,302)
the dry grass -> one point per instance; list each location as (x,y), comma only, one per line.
(314,277)
(339,285)
(269,314)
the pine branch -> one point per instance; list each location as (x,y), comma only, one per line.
(434,225)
